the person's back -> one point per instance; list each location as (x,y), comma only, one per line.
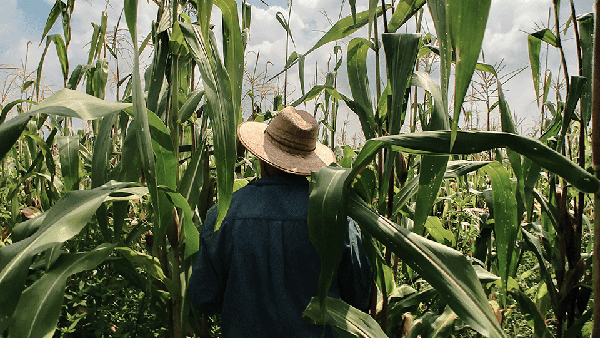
(265,269)
(260,269)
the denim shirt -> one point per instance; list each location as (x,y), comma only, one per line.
(260,269)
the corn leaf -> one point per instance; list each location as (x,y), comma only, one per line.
(40,305)
(68,150)
(400,55)
(547,36)
(404,11)
(576,88)
(63,221)
(506,225)
(534,45)
(437,142)
(433,168)
(327,222)
(586,33)
(343,318)
(532,313)
(358,79)
(190,105)
(447,270)
(52,17)
(140,113)
(103,151)
(64,102)
(341,29)
(233,51)
(220,107)
(467,22)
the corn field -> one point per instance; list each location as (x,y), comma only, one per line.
(470,233)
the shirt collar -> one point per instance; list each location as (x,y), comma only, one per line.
(281,180)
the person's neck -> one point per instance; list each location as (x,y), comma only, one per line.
(268,170)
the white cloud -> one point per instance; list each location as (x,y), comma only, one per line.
(505,39)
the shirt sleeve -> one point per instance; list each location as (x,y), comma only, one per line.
(354,273)
(209,274)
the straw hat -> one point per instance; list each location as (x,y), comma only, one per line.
(288,143)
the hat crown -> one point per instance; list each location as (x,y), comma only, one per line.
(295,130)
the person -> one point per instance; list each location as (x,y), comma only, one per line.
(259,270)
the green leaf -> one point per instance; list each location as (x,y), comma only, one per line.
(103,147)
(65,102)
(546,35)
(10,106)
(72,103)
(436,230)
(506,225)
(431,176)
(190,232)
(531,312)
(220,107)
(39,307)
(586,33)
(233,52)
(438,10)
(437,142)
(63,221)
(467,23)
(68,149)
(447,270)
(458,168)
(342,317)
(177,44)
(341,29)
(534,245)
(443,323)
(166,169)
(100,78)
(52,16)
(534,45)
(433,168)
(400,55)
(140,113)
(151,266)
(576,87)
(193,178)
(439,117)
(94,43)
(404,11)
(327,222)
(406,193)
(284,23)
(156,83)
(61,52)
(358,79)
(190,105)
(77,75)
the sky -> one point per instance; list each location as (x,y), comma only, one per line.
(505,41)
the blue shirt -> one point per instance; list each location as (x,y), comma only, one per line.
(260,269)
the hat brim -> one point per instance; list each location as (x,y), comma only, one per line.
(252,135)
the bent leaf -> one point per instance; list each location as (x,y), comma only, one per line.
(40,305)
(342,317)
(63,221)
(468,142)
(447,270)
